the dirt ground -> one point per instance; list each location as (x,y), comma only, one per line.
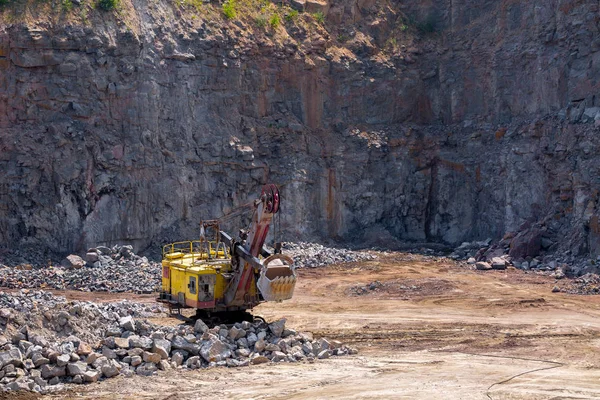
(426,329)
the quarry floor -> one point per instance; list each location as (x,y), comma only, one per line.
(432,330)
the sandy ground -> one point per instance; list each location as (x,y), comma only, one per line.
(433,330)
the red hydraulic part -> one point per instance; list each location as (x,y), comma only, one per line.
(271,194)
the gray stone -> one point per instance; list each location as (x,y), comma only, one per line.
(483,266)
(127,323)
(140,341)
(91,358)
(272,347)
(251,339)
(73,261)
(277,327)
(91,376)
(324,354)
(49,372)
(109,353)
(110,369)
(260,345)
(193,362)
(179,342)
(12,356)
(498,263)
(215,350)
(76,368)
(177,358)
(62,360)
(146,369)
(135,361)
(162,347)
(200,326)
(277,356)
(91,257)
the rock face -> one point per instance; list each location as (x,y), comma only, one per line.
(109,134)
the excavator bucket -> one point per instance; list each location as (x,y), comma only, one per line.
(277,278)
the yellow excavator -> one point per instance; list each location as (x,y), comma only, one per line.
(219,274)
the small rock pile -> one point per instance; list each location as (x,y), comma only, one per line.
(45,349)
(365,289)
(116,269)
(313,255)
(586,284)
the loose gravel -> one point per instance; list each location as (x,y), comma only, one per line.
(47,342)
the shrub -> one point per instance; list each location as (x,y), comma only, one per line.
(4,2)
(67,5)
(107,5)
(261,21)
(229,9)
(290,16)
(274,21)
(319,17)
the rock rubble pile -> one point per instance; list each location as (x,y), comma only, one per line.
(116,269)
(313,255)
(44,343)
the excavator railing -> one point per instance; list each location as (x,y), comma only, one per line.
(196,249)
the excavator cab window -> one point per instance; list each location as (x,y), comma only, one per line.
(192,285)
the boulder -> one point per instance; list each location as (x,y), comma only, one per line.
(146,369)
(272,347)
(200,326)
(251,339)
(193,362)
(298,5)
(215,350)
(92,357)
(317,6)
(91,376)
(526,244)
(278,356)
(498,263)
(259,360)
(84,349)
(63,360)
(324,354)
(122,343)
(141,342)
(110,369)
(135,361)
(162,347)
(260,345)
(127,323)
(91,256)
(73,261)
(179,342)
(76,368)
(153,358)
(12,356)
(483,266)
(49,372)
(277,327)
(177,358)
